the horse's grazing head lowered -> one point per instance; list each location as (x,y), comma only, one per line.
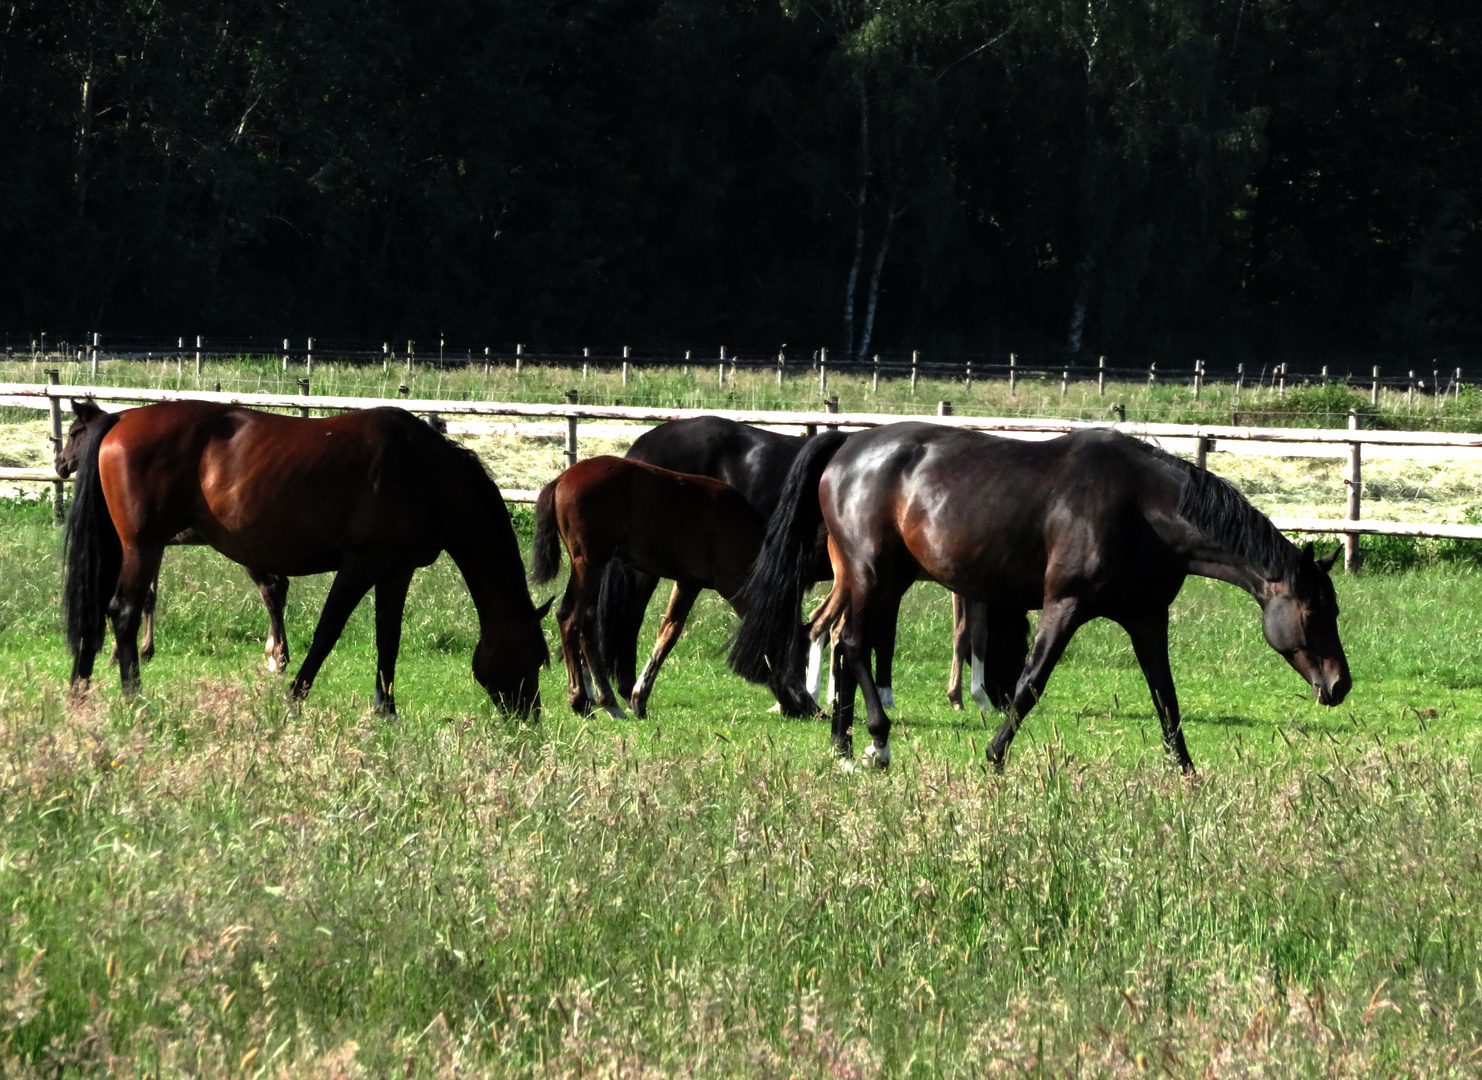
(69,453)
(509,670)
(1299,616)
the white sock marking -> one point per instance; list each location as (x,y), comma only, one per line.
(979,694)
(887,697)
(815,667)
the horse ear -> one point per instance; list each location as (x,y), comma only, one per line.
(1327,561)
(1307,550)
(540,612)
(85,410)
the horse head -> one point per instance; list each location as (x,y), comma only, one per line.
(69,453)
(509,670)
(1299,616)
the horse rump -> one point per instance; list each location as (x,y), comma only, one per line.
(92,555)
(772,633)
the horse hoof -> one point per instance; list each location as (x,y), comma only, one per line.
(878,756)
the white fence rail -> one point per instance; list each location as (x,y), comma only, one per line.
(54,397)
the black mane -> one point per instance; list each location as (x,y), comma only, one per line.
(1216,508)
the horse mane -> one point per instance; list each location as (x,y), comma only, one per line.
(1217,509)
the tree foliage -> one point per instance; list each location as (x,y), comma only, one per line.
(1158,177)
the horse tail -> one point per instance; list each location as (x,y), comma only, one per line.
(93,556)
(545,557)
(619,617)
(771,632)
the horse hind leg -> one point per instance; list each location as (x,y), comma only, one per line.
(139,568)
(273,588)
(681,600)
(961,650)
(391,600)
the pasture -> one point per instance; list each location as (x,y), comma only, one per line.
(208,882)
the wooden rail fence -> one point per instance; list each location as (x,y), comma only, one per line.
(53,397)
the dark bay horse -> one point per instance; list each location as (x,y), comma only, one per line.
(273,588)
(755,462)
(699,532)
(1093,524)
(370,495)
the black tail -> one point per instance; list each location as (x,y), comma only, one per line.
(621,605)
(93,555)
(545,556)
(771,633)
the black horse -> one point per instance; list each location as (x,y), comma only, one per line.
(1089,525)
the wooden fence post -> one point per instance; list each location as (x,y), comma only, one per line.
(1352,555)
(915,356)
(969,376)
(1120,411)
(832,404)
(1239,380)
(1281,387)
(1198,378)
(572,398)
(303,388)
(1013,372)
(1435,380)
(1374,387)
(944,408)
(720,375)
(309,359)
(1201,451)
(875,385)
(54,378)
(1101,375)
(1456,393)
(95,358)
(198,354)
(519,357)
(781,363)
(823,372)
(1152,374)
(1064,381)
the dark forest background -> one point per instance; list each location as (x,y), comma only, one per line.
(1136,177)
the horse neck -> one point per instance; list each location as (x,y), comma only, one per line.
(1222,564)
(488,557)
(1226,538)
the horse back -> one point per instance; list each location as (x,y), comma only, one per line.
(749,459)
(282,494)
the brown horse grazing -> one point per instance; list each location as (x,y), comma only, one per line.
(273,588)
(700,532)
(369,495)
(1092,524)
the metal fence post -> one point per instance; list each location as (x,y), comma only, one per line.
(1101,375)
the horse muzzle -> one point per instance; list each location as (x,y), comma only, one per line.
(1331,690)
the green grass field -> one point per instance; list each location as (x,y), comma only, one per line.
(205,882)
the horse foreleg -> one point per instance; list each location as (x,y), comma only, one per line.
(391,601)
(681,600)
(273,588)
(961,650)
(1057,623)
(349,588)
(1149,635)
(136,576)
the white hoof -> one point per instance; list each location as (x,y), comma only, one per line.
(776,708)
(887,697)
(878,756)
(272,663)
(847,766)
